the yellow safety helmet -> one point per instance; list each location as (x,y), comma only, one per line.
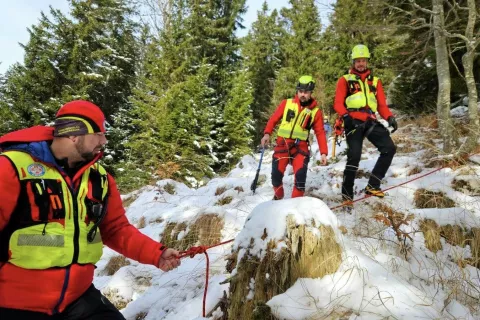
(306,83)
(360,51)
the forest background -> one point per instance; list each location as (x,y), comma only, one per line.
(185,97)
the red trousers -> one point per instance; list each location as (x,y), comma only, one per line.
(298,155)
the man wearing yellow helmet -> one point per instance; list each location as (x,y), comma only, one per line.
(359,95)
(297,116)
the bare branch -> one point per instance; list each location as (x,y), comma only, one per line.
(416,6)
(454,63)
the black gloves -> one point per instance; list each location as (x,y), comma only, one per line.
(392,123)
(347,122)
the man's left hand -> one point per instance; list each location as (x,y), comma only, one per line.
(392,122)
(170,259)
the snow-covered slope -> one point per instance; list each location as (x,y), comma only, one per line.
(379,278)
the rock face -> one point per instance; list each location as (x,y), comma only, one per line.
(281,242)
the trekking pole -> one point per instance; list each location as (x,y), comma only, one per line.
(334,145)
(253,187)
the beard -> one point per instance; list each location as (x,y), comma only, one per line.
(85,154)
(305,102)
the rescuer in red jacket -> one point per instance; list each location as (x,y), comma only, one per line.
(58,207)
(298,116)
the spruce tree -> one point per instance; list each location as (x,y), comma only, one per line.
(261,57)
(300,47)
(358,22)
(237,116)
(90,55)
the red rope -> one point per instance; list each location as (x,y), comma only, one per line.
(192,252)
(389,188)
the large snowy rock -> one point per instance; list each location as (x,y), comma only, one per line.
(281,242)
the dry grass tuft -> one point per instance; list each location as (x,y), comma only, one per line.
(470,187)
(427,121)
(343,230)
(452,163)
(169,188)
(239,189)
(128,201)
(473,239)
(142,223)
(415,170)
(157,220)
(220,190)
(169,237)
(431,233)
(167,170)
(362,174)
(223,201)
(424,198)
(114,264)
(206,230)
(116,299)
(404,143)
(141,315)
(406,148)
(454,235)
(307,256)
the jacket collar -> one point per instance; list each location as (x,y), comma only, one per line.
(311,106)
(362,75)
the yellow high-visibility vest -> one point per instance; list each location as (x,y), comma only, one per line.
(365,96)
(50,224)
(296,126)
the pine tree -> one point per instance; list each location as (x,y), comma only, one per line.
(211,28)
(238,118)
(173,136)
(358,22)
(299,47)
(89,56)
(187,82)
(261,54)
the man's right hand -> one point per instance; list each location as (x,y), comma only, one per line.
(265,140)
(170,259)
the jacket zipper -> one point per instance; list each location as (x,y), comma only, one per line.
(76,236)
(64,290)
(365,92)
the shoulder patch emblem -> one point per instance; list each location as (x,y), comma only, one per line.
(36,169)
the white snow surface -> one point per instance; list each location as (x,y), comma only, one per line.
(376,280)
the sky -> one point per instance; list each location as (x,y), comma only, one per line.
(16,16)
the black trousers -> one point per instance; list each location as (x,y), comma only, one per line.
(379,136)
(92,305)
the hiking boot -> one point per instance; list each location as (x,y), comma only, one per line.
(276,198)
(373,191)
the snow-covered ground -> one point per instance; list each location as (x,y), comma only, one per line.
(375,281)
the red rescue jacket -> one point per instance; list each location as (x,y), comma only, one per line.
(45,290)
(342,92)
(317,126)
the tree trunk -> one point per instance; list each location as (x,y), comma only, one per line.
(443,74)
(467,61)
